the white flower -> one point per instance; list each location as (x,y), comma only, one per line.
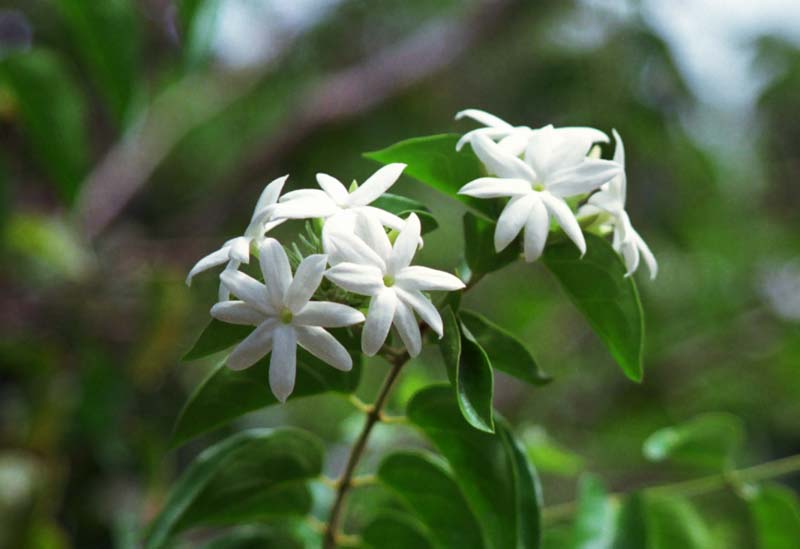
(373,267)
(610,200)
(555,167)
(237,250)
(284,316)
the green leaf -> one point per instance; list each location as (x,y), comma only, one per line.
(215,337)
(394,531)
(198,20)
(595,520)
(505,352)
(469,371)
(548,456)
(431,494)
(106,36)
(251,476)
(776,517)
(52,112)
(597,286)
(227,394)
(655,522)
(492,472)
(402,206)
(707,441)
(479,251)
(433,160)
(251,537)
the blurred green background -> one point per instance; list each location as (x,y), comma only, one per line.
(137,134)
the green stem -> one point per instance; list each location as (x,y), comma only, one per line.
(694,487)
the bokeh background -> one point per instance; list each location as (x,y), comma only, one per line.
(137,134)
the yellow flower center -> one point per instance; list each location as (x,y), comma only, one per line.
(388,281)
(286,316)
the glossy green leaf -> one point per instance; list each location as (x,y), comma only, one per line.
(708,441)
(776,517)
(106,37)
(433,160)
(597,286)
(469,371)
(251,537)
(479,252)
(492,472)
(227,394)
(432,495)
(394,531)
(402,206)
(656,522)
(505,352)
(548,456)
(215,337)
(251,476)
(595,520)
(52,114)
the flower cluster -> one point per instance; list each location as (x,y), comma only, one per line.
(542,171)
(358,257)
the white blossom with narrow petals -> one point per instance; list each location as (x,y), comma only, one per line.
(284,317)
(609,204)
(237,250)
(555,167)
(371,265)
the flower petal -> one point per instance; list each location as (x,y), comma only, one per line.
(248,289)
(630,253)
(387,219)
(583,178)
(328,315)
(306,281)
(334,188)
(408,328)
(485,118)
(283,362)
(565,218)
(512,219)
(492,133)
(253,347)
(210,261)
(356,278)
(240,249)
(324,346)
(495,187)
(376,184)
(424,308)
(347,247)
(310,204)
(418,277)
(539,151)
(269,195)
(647,255)
(405,246)
(379,320)
(237,312)
(369,229)
(537,227)
(498,161)
(276,270)
(516,141)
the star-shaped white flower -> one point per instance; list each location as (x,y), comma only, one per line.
(610,200)
(372,266)
(555,167)
(284,316)
(237,250)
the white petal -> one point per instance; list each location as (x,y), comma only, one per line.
(584,133)
(647,255)
(269,195)
(387,219)
(209,262)
(424,308)
(537,227)
(307,207)
(516,142)
(328,315)
(276,270)
(565,218)
(306,281)
(606,200)
(539,152)
(253,347)
(240,249)
(376,184)
(237,312)
(408,328)
(333,187)
(418,277)
(492,133)
(405,246)
(359,279)
(498,161)
(369,229)
(583,178)
(302,194)
(619,150)
(379,320)
(352,249)
(283,362)
(512,219)
(247,288)
(495,187)
(485,118)
(324,346)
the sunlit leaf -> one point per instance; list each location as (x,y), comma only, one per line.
(492,472)
(432,495)
(595,520)
(597,285)
(394,531)
(776,517)
(251,476)
(548,456)
(656,522)
(469,371)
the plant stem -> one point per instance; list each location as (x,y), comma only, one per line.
(694,487)
(346,481)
